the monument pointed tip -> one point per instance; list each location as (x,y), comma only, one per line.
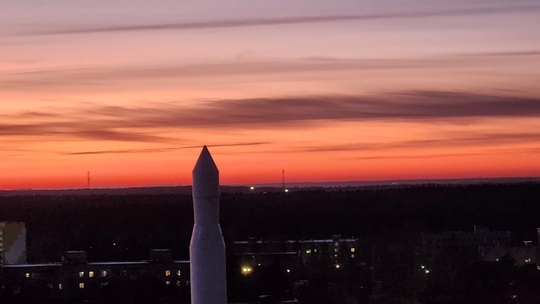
(205,163)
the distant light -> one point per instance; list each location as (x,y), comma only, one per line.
(114,244)
(308,251)
(422,266)
(286,190)
(353,250)
(90,274)
(251,188)
(288,270)
(27,275)
(81,285)
(427,271)
(81,274)
(338,266)
(246,270)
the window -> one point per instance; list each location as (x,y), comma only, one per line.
(60,286)
(104,273)
(81,285)
(90,274)
(353,250)
(178,272)
(178,283)
(167,273)
(27,275)
(167,282)
(352,255)
(81,274)
(308,251)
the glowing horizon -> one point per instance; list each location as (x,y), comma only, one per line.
(341,91)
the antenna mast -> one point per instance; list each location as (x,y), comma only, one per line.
(283,179)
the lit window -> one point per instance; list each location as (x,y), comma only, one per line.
(338,266)
(352,256)
(90,274)
(167,282)
(60,286)
(178,283)
(528,260)
(104,273)
(353,250)
(288,270)
(336,244)
(81,274)
(308,251)
(167,273)
(81,285)
(178,272)
(27,275)
(336,250)
(315,250)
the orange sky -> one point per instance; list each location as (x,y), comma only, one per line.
(352,90)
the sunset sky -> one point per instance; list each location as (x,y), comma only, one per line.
(327,90)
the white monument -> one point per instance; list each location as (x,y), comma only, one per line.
(207,248)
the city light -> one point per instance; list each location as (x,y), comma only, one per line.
(246,270)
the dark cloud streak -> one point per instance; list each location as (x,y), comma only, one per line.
(160,150)
(143,123)
(199,25)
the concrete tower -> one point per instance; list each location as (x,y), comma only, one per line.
(207,248)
